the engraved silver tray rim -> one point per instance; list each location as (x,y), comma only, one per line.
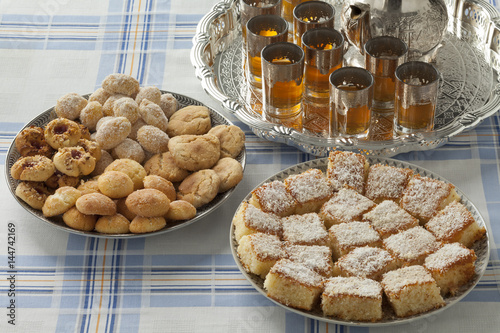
(481,247)
(57,222)
(223,17)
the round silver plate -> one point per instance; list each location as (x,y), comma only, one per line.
(57,222)
(469,91)
(480,247)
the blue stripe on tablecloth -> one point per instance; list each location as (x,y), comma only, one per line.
(125,37)
(185,28)
(144,43)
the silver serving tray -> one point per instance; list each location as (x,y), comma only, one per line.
(481,248)
(57,222)
(468,60)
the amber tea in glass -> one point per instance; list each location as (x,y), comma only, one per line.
(251,8)
(262,30)
(310,15)
(416,97)
(282,75)
(323,49)
(382,56)
(351,93)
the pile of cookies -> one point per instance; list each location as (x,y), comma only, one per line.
(126,160)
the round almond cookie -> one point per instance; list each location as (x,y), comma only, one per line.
(33,193)
(169,104)
(120,84)
(128,108)
(230,173)
(31,141)
(112,132)
(79,221)
(96,204)
(90,186)
(91,114)
(232,139)
(114,224)
(194,152)
(100,95)
(62,132)
(129,149)
(36,168)
(70,105)
(180,210)
(131,168)
(193,119)
(151,93)
(115,184)
(141,224)
(199,188)
(148,202)
(61,201)
(74,161)
(153,139)
(101,165)
(163,165)
(161,184)
(152,114)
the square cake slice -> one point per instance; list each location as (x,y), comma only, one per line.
(316,257)
(347,168)
(307,229)
(387,218)
(424,197)
(294,284)
(455,224)
(410,247)
(386,182)
(345,237)
(451,266)
(249,219)
(310,189)
(259,252)
(367,262)
(273,198)
(345,206)
(411,290)
(352,298)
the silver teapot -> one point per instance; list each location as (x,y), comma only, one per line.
(420,23)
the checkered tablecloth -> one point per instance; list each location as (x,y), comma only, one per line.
(187,280)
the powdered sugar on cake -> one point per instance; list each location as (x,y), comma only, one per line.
(355,286)
(307,186)
(346,169)
(423,196)
(389,217)
(274,198)
(297,271)
(354,234)
(347,205)
(412,243)
(265,222)
(267,246)
(386,182)
(365,261)
(394,281)
(447,255)
(452,218)
(304,229)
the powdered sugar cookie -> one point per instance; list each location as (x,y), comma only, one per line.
(129,149)
(112,132)
(152,114)
(169,104)
(150,93)
(100,95)
(121,84)
(91,114)
(128,108)
(153,139)
(70,105)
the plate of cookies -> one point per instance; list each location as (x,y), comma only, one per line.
(353,240)
(125,161)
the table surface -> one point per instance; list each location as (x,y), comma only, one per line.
(187,280)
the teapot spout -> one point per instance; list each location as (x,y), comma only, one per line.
(356,24)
